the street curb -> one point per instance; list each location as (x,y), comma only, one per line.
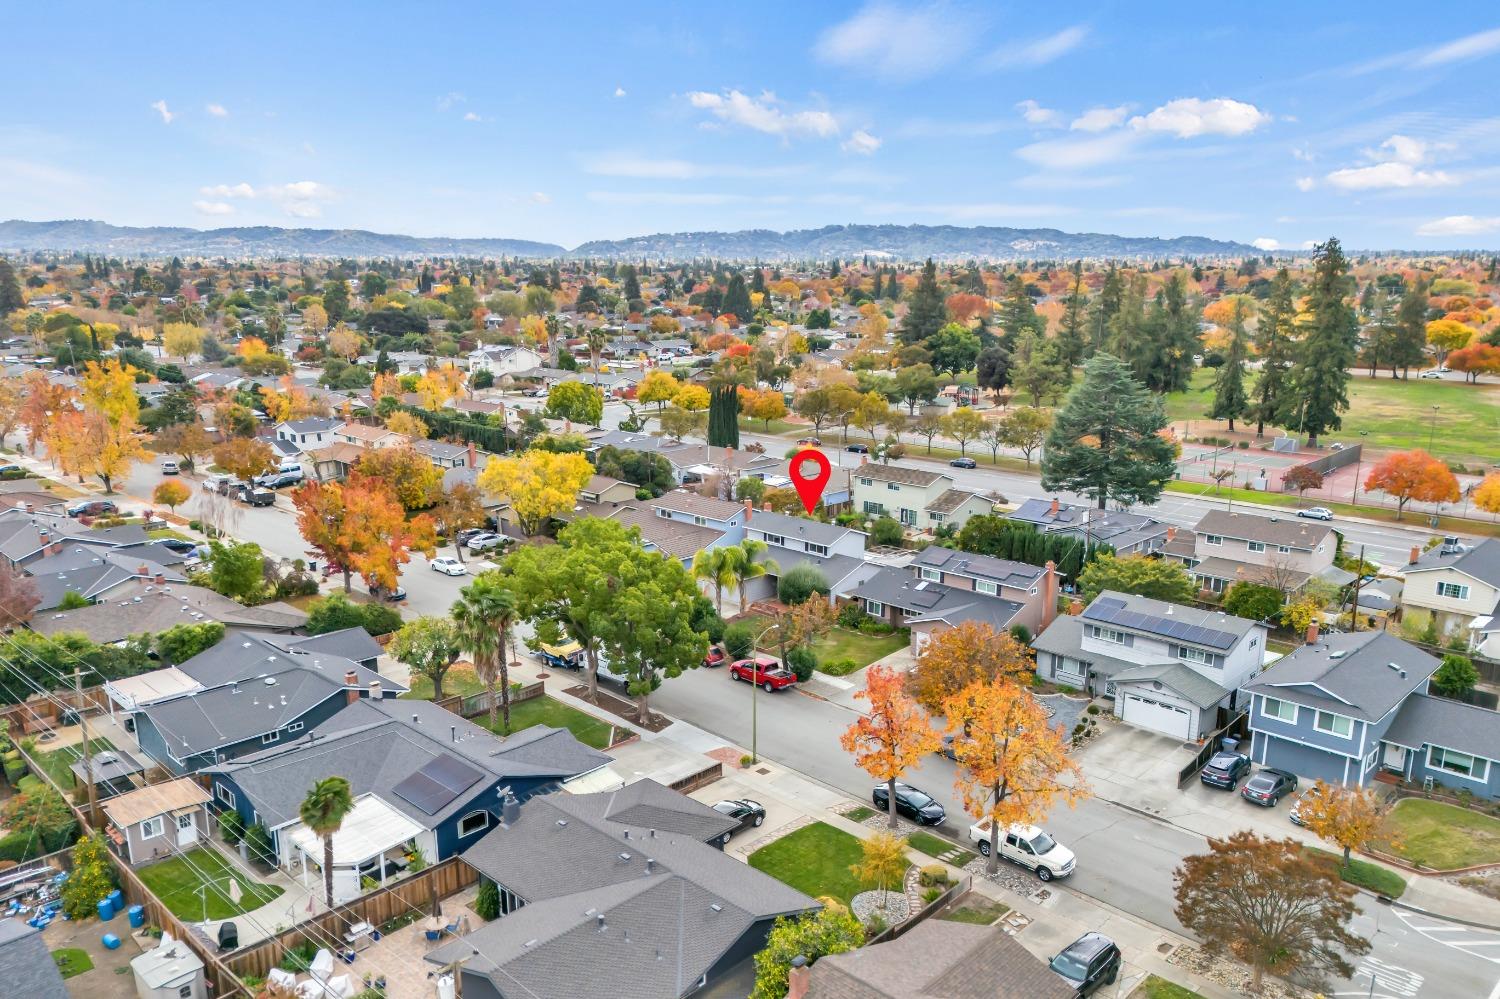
(1397,903)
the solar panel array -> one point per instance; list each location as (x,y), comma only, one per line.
(437,783)
(1112,610)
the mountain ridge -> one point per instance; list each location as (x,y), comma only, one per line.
(894,242)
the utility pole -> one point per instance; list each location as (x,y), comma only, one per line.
(1359,578)
(88,752)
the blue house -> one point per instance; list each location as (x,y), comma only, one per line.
(254,692)
(1343,707)
(424,780)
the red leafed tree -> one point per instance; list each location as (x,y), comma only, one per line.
(894,736)
(1302,478)
(965,307)
(1473,361)
(359,526)
(1413,475)
(18,597)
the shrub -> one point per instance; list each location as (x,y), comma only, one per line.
(802,662)
(1244,445)
(746,760)
(1092,709)
(932,875)
(852,615)
(487,902)
(335,613)
(1021,633)
(888,531)
(1253,601)
(232,826)
(799,583)
(299,957)
(932,894)
(840,667)
(92,878)
(739,640)
(1455,677)
(258,844)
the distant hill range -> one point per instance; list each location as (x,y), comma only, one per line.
(894,242)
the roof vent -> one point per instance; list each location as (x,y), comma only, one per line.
(1393,666)
(1341,653)
(716,907)
(600,920)
(650,865)
(270,681)
(625,857)
(562,823)
(529,943)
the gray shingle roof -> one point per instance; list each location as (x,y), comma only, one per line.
(1064,637)
(1018,575)
(684,501)
(904,474)
(1357,674)
(1188,682)
(1426,720)
(26,968)
(929,601)
(1292,532)
(142,607)
(1482,561)
(802,528)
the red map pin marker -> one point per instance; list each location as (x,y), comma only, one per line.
(810,487)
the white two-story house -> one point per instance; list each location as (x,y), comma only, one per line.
(1459,584)
(1168,667)
(920,499)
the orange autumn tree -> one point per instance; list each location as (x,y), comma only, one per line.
(895,734)
(1010,763)
(1413,475)
(1349,817)
(972,651)
(1487,493)
(360,527)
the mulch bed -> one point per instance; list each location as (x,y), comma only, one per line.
(620,708)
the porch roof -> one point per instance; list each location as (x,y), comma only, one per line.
(370,829)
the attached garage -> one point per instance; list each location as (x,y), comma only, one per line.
(1157,715)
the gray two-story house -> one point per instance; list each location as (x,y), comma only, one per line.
(1342,707)
(838,552)
(1284,552)
(1168,667)
(1127,533)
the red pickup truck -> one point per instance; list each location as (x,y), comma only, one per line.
(763,670)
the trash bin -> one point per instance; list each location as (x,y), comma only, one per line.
(116,900)
(1229,743)
(110,941)
(229,936)
(137,914)
(106,911)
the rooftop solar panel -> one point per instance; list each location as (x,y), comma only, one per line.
(424,793)
(452,773)
(1113,611)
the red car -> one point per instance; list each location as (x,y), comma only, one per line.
(716,656)
(765,671)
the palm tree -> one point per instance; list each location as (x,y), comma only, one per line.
(743,567)
(596,341)
(713,565)
(323,811)
(484,614)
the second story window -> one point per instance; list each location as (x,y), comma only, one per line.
(893,486)
(1339,725)
(932,574)
(1256,546)
(1283,550)
(985,586)
(775,539)
(1190,655)
(1110,635)
(1458,591)
(1213,539)
(867,482)
(813,549)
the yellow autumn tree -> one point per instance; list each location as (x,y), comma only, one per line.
(386,383)
(968,652)
(344,342)
(314,318)
(402,422)
(438,385)
(692,398)
(539,484)
(893,736)
(182,340)
(112,421)
(1348,817)
(1487,493)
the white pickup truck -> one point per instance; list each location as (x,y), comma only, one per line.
(1028,846)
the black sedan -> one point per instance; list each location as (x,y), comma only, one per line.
(747,813)
(1225,770)
(1269,786)
(919,806)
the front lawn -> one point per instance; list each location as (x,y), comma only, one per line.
(177,885)
(1159,988)
(977,910)
(1442,836)
(57,762)
(1363,874)
(460,679)
(933,846)
(544,710)
(864,649)
(815,860)
(166,533)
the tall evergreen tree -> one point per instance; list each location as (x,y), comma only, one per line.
(336,301)
(11,299)
(737,299)
(926,313)
(1273,342)
(875,289)
(892,285)
(1105,307)
(1409,346)
(724,416)
(1105,442)
(1018,314)
(1127,323)
(1072,341)
(1038,370)
(758,280)
(1230,398)
(1320,372)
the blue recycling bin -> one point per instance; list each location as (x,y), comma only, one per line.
(137,915)
(116,900)
(110,941)
(106,911)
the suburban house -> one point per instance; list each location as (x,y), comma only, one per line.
(683,506)
(605,491)
(26,536)
(1283,552)
(1459,584)
(422,778)
(362,436)
(936,959)
(691,462)
(503,360)
(836,551)
(26,964)
(250,692)
(140,606)
(154,822)
(1127,533)
(1342,707)
(921,500)
(1169,668)
(622,893)
(294,437)
(942,588)
(94,574)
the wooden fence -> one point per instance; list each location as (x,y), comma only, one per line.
(40,713)
(955,892)
(377,908)
(1238,727)
(473,705)
(703,778)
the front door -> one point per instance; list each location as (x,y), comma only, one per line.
(187,829)
(1393,758)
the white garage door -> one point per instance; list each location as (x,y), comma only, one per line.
(1167,719)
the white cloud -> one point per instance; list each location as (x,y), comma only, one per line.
(763,115)
(303,209)
(1099,119)
(1035,114)
(1396,166)
(301,199)
(213,208)
(1469,47)
(449,99)
(860,142)
(217,110)
(471,116)
(645,168)
(1188,117)
(619,91)
(1305,155)
(1040,51)
(160,107)
(1460,225)
(228,191)
(1306,183)
(1074,154)
(540,198)
(1309,244)
(1265,243)
(897,43)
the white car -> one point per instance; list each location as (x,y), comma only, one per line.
(448,565)
(1028,846)
(170,468)
(1316,513)
(484,542)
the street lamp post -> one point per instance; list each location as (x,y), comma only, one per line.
(1354,496)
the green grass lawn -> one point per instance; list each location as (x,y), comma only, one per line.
(1363,874)
(1159,988)
(72,961)
(57,762)
(977,910)
(1442,836)
(859,814)
(458,680)
(589,730)
(933,846)
(778,427)
(1395,414)
(177,884)
(164,533)
(815,860)
(841,643)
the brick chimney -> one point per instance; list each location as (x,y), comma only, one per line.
(1075,607)
(798,978)
(1171,535)
(143,570)
(473,456)
(54,547)
(749,510)
(1055,506)
(351,687)
(1312,633)
(161,579)
(1416,553)
(375,690)
(1049,596)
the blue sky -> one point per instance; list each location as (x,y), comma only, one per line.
(1277,122)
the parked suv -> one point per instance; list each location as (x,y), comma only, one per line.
(1032,848)
(1088,963)
(92,508)
(915,804)
(1225,770)
(1269,786)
